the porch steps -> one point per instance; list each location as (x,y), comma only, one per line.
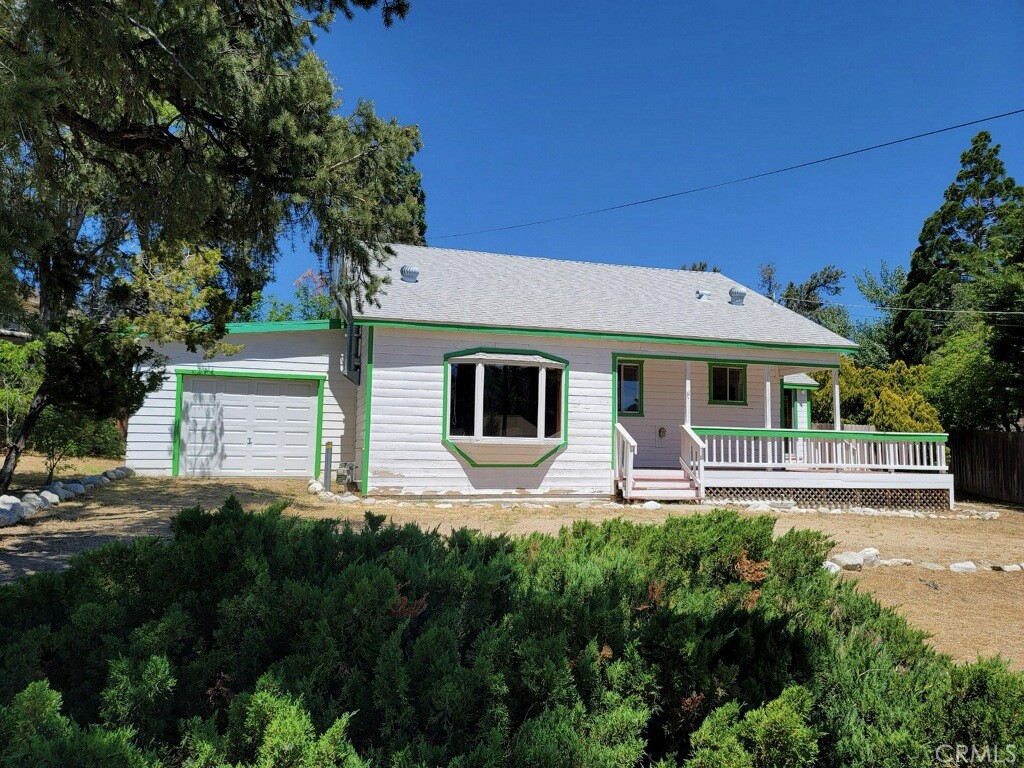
(660,485)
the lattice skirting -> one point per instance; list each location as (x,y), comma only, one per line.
(920,499)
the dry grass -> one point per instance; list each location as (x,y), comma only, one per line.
(967,615)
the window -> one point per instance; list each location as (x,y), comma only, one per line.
(631,389)
(728,385)
(517,399)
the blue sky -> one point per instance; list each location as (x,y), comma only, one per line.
(539,109)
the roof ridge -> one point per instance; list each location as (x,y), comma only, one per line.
(564,261)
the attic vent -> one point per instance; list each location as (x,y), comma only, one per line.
(737,295)
(410,273)
(703,295)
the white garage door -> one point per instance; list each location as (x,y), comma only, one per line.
(232,426)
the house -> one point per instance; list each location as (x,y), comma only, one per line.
(488,375)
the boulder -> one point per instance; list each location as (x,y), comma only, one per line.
(315,486)
(111,474)
(831,567)
(650,505)
(870,556)
(446,506)
(127,471)
(404,504)
(76,488)
(8,499)
(104,480)
(51,497)
(348,498)
(897,561)
(54,485)
(933,566)
(7,516)
(1012,567)
(849,561)
(760,506)
(35,500)
(64,494)
(965,567)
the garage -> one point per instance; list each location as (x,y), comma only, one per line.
(248,425)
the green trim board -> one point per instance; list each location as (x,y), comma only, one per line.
(368,378)
(640,386)
(711,382)
(902,437)
(806,364)
(448,443)
(811,387)
(605,336)
(286,326)
(181,373)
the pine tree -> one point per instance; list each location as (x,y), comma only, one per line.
(955,249)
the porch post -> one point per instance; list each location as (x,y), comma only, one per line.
(837,422)
(686,419)
(767,397)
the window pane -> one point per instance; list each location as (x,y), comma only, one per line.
(553,403)
(719,383)
(735,385)
(462,389)
(629,388)
(510,400)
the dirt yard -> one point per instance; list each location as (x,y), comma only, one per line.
(967,615)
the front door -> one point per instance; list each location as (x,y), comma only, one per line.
(788,416)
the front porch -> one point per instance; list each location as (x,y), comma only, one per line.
(783,459)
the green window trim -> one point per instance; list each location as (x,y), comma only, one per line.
(551,333)
(179,380)
(448,443)
(640,387)
(742,367)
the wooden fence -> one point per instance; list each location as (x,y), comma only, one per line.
(989,464)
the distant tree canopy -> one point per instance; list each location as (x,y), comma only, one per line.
(701,266)
(809,297)
(311,300)
(153,153)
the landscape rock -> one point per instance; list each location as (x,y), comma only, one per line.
(870,556)
(787,504)
(8,499)
(76,488)
(1013,567)
(371,502)
(104,480)
(315,486)
(111,474)
(650,505)
(445,506)
(849,561)
(965,567)
(35,500)
(404,504)
(896,561)
(7,517)
(933,566)
(831,567)
(51,497)
(348,498)
(760,506)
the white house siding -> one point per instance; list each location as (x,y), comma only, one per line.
(151,429)
(407,456)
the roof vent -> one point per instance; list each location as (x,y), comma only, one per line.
(410,273)
(703,295)
(736,295)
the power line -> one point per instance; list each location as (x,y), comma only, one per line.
(908,309)
(740,180)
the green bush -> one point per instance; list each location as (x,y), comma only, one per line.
(262,640)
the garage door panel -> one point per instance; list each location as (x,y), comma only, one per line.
(236,426)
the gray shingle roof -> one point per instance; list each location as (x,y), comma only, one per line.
(473,288)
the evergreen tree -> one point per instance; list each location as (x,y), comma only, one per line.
(955,249)
(153,152)
(809,297)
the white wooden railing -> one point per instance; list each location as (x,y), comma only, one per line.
(692,456)
(740,448)
(625,450)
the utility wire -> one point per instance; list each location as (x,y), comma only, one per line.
(740,180)
(907,309)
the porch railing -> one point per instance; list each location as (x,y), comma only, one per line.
(692,456)
(741,448)
(625,450)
